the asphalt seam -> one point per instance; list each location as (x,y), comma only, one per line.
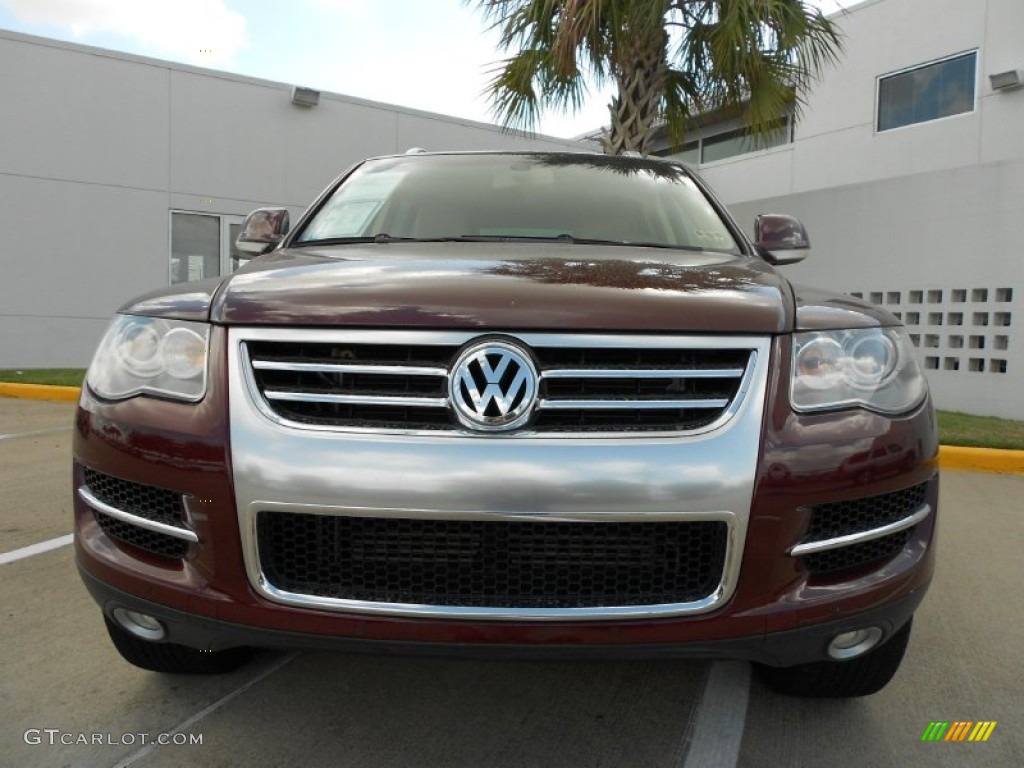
(225,699)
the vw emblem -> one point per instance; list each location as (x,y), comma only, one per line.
(493,386)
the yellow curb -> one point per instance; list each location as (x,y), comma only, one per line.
(981,459)
(39,391)
(950,456)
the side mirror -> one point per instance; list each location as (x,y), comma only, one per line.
(262,230)
(781,238)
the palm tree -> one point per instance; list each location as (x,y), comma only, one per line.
(670,60)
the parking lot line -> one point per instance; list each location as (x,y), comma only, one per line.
(34,432)
(35,549)
(184,725)
(720,718)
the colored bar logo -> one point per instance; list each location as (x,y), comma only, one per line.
(958,730)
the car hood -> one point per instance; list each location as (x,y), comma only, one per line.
(507,286)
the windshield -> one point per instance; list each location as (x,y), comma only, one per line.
(575,198)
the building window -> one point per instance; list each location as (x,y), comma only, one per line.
(929,92)
(720,146)
(739,142)
(690,153)
(203,245)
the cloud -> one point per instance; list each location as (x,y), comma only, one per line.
(204,32)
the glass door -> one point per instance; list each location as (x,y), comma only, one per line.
(233,258)
(195,246)
(203,245)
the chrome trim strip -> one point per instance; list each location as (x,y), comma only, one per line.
(724,588)
(458,338)
(141,522)
(310,397)
(630,405)
(398,370)
(642,373)
(811,547)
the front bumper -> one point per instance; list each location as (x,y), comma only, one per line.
(778,649)
(209,599)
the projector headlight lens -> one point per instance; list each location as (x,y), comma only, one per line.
(873,368)
(151,356)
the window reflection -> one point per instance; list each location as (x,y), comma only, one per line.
(929,92)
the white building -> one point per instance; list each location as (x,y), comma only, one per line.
(120,173)
(907,167)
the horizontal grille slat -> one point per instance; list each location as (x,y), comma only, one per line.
(589,385)
(331,397)
(651,373)
(499,564)
(634,404)
(410,370)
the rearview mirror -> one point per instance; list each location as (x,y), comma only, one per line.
(782,239)
(262,230)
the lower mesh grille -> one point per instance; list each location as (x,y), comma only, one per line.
(842,518)
(832,560)
(502,564)
(146,501)
(845,518)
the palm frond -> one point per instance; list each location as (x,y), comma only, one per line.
(671,60)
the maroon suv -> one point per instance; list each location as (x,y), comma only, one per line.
(529,404)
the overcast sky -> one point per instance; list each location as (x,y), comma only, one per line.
(427,54)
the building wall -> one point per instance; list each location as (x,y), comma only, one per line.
(935,208)
(98,147)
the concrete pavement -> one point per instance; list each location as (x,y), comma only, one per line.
(61,680)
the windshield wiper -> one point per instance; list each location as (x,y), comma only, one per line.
(562,238)
(380,237)
(646,244)
(384,237)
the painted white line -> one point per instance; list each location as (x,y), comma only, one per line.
(36,549)
(721,715)
(34,432)
(186,724)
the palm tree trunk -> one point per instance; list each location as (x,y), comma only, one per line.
(640,76)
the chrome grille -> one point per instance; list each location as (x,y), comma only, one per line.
(588,383)
(389,386)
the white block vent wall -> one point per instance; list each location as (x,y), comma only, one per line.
(959,332)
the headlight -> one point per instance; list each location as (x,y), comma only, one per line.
(873,368)
(147,355)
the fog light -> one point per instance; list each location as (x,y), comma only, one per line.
(140,624)
(849,645)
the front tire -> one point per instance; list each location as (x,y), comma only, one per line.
(171,657)
(862,676)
